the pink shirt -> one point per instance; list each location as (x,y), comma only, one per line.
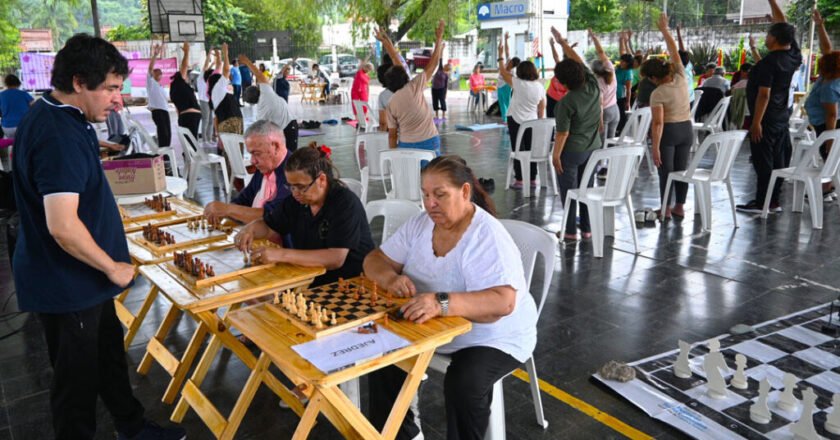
(361,86)
(267,191)
(476,81)
(556,91)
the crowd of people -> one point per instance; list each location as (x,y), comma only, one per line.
(441,258)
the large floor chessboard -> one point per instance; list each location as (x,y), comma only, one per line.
(791,344)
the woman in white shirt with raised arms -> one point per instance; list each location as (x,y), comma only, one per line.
(526,104)
(456,259)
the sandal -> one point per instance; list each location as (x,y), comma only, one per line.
(659,217)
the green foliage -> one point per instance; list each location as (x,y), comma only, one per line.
(600,15)
(225,22)
(640,16)
(590,55)
(128,33)
(799,13)
(56,15)
(9,39)
(301,17)
(421,13)
(457,16)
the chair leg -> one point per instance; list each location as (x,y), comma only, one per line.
(666,198)
(496,429)
(531,367)
(351,390)
(596,221)
(799,189)
(702,192)
(549,170)
(814,188)
(508,180)
(225,180)
(173,163)
(629,203)
(609,221)
(769,194)
(731,202)
(193,179)
(649,157)
(566,206)
(526,177)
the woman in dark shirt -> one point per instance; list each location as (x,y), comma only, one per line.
(281,84)
(326,221)
(224,105)
(183,96)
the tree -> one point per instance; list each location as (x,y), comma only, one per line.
(225,22)
(9,38)
(458,15)
(129,33)
(600,15)
(799,13)
(301,17)
(57,15)
(364,13)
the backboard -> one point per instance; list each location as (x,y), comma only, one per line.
(186,27)
(160,10)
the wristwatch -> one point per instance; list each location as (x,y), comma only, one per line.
(443,300)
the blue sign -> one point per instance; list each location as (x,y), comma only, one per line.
(502,10)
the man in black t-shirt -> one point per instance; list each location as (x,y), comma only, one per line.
(768,96)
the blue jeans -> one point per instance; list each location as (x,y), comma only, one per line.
(431,144)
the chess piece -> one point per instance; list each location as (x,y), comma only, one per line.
(332,320)
(712,365)
(276,297)
(739,379)
(759,411)
(340,284)
(832,422)
(787,401)
(681,366)
(804,429)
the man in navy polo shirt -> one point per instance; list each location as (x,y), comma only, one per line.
(267,189)
(71,256)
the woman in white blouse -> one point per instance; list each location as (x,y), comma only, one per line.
(456,259)
(527,103)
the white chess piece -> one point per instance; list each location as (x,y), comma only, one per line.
(804,429)
(712,364)
(739,379)
(787,401)
(832,423)
(759,411)
(681,366)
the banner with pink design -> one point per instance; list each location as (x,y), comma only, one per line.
(36,69)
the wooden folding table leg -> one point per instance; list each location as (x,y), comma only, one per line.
(185,364)
(134,325)
(407,392)
(246,396)
(307,421)
(160,335)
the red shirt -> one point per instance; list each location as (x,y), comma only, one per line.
(556,91)
(361,86)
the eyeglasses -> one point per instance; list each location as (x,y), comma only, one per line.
(300,188)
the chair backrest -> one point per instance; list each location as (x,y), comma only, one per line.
(716,118)
(188,143)
(532,241)
(831,166)
(404,164)
(353,185)
(697,95)
(641,126)
(368,147)
(728,145)
(147,138)
(395,213)
(624,166)
(542,138)
(234,144)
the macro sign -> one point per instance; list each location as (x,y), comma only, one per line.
(502,10)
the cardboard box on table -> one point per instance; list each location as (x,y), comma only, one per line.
(135,174)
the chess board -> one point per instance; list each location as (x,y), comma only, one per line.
(791,344)
(349,312)
(134,215)
(184,238)
(228,262)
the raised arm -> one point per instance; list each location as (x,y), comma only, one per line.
(825,42)
(598,49)
(756,56)
(554,50)
(679,39)
(226,60)
(505,73)
(207,61)
(431,66)
(382,36)
(218,57)
(622,39)
(568,52)
(629,42)
(507,47)
(185,62)
(674,54)
(778,14)
(155,50)
(258,76)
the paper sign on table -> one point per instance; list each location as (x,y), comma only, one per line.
(346,348)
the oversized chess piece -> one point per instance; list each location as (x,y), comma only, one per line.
(787,401)
(832,423)
(713,363)
(739,379)
(759,411)
(804,429)
(681,366)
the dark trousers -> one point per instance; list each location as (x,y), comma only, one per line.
(439,99)
(622,113)
(467,391)
(674,150)
(291,135)
(572,178)
(88,360)
(550,103)
(513,129)
(237,92)
(771,153)
(164,127)
(191,121)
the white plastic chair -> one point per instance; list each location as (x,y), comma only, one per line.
(602,200)
(353,185)
(713,122)
(728,144)
(367,122)
(635,133)
(531,241)
(234,145)
(200,158)
(395,213)
(808,179)
(152,144)
(542,144)
(697,95)
(367,148)
(801,137)
(404,164)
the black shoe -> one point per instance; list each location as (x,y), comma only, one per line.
(153,431)
(751,207)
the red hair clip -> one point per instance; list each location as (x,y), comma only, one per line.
(325,151)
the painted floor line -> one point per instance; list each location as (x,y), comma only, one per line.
(602,417)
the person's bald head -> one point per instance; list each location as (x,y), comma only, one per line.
(267,145)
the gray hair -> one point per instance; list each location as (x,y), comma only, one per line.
(720,71)
(265,128)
